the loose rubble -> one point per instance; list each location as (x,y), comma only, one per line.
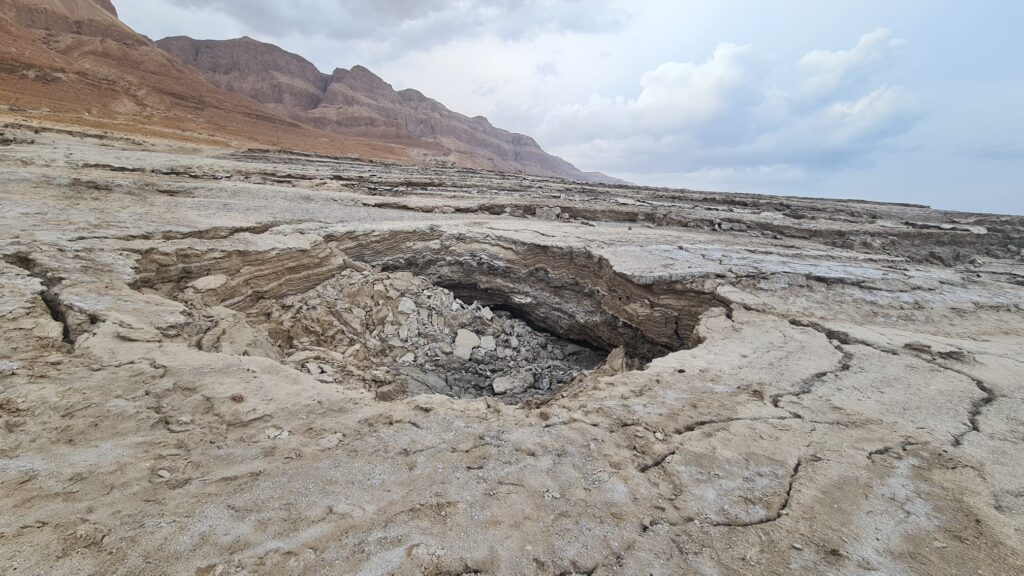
(398,333)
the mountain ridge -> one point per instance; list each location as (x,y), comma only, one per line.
(74,62)
(357,102)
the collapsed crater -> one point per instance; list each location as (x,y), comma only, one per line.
(565,290)
(418,312)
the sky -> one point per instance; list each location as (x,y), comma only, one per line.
(917,101)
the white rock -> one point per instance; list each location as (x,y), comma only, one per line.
(616,361)
(301,357)
(276,433)
(407,306)
(209,282)
(330,441)
(408,358)
(465,343)
(548,212)
(505,384)
(488,343)
(486,314)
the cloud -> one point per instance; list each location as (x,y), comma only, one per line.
(675,98)
(731,112)
(399,25)
(825,73)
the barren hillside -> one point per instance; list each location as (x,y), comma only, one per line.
(357,102)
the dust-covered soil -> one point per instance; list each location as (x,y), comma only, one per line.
(217,362)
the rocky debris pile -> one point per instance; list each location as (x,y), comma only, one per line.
(404,336)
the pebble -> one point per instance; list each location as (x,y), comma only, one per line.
(506,384)
(209,282)
(276,433)
(488,343)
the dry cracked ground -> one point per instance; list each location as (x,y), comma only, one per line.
(250,362)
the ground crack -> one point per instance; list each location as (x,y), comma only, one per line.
(644,468)
(976,408)
(809,383)
(703,423)
(783,509)
(656,462)
(901,447)
(49,296)
(839,336)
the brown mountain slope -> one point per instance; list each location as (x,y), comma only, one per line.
(356,102)
(73,61)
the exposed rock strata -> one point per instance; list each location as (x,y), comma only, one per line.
(73,61)
(569,291)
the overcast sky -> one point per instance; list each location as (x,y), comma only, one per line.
(911,100)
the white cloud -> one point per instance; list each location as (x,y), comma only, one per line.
(729,112)
(397,26)
(826,72)
(675,98)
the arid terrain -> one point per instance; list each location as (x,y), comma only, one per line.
(251,362)
(258,319)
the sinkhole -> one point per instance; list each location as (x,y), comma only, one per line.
(407,315)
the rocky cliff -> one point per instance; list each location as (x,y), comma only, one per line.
(357,102)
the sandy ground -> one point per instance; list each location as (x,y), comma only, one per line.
(836,389)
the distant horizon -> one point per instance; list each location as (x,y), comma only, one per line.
(919,103)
